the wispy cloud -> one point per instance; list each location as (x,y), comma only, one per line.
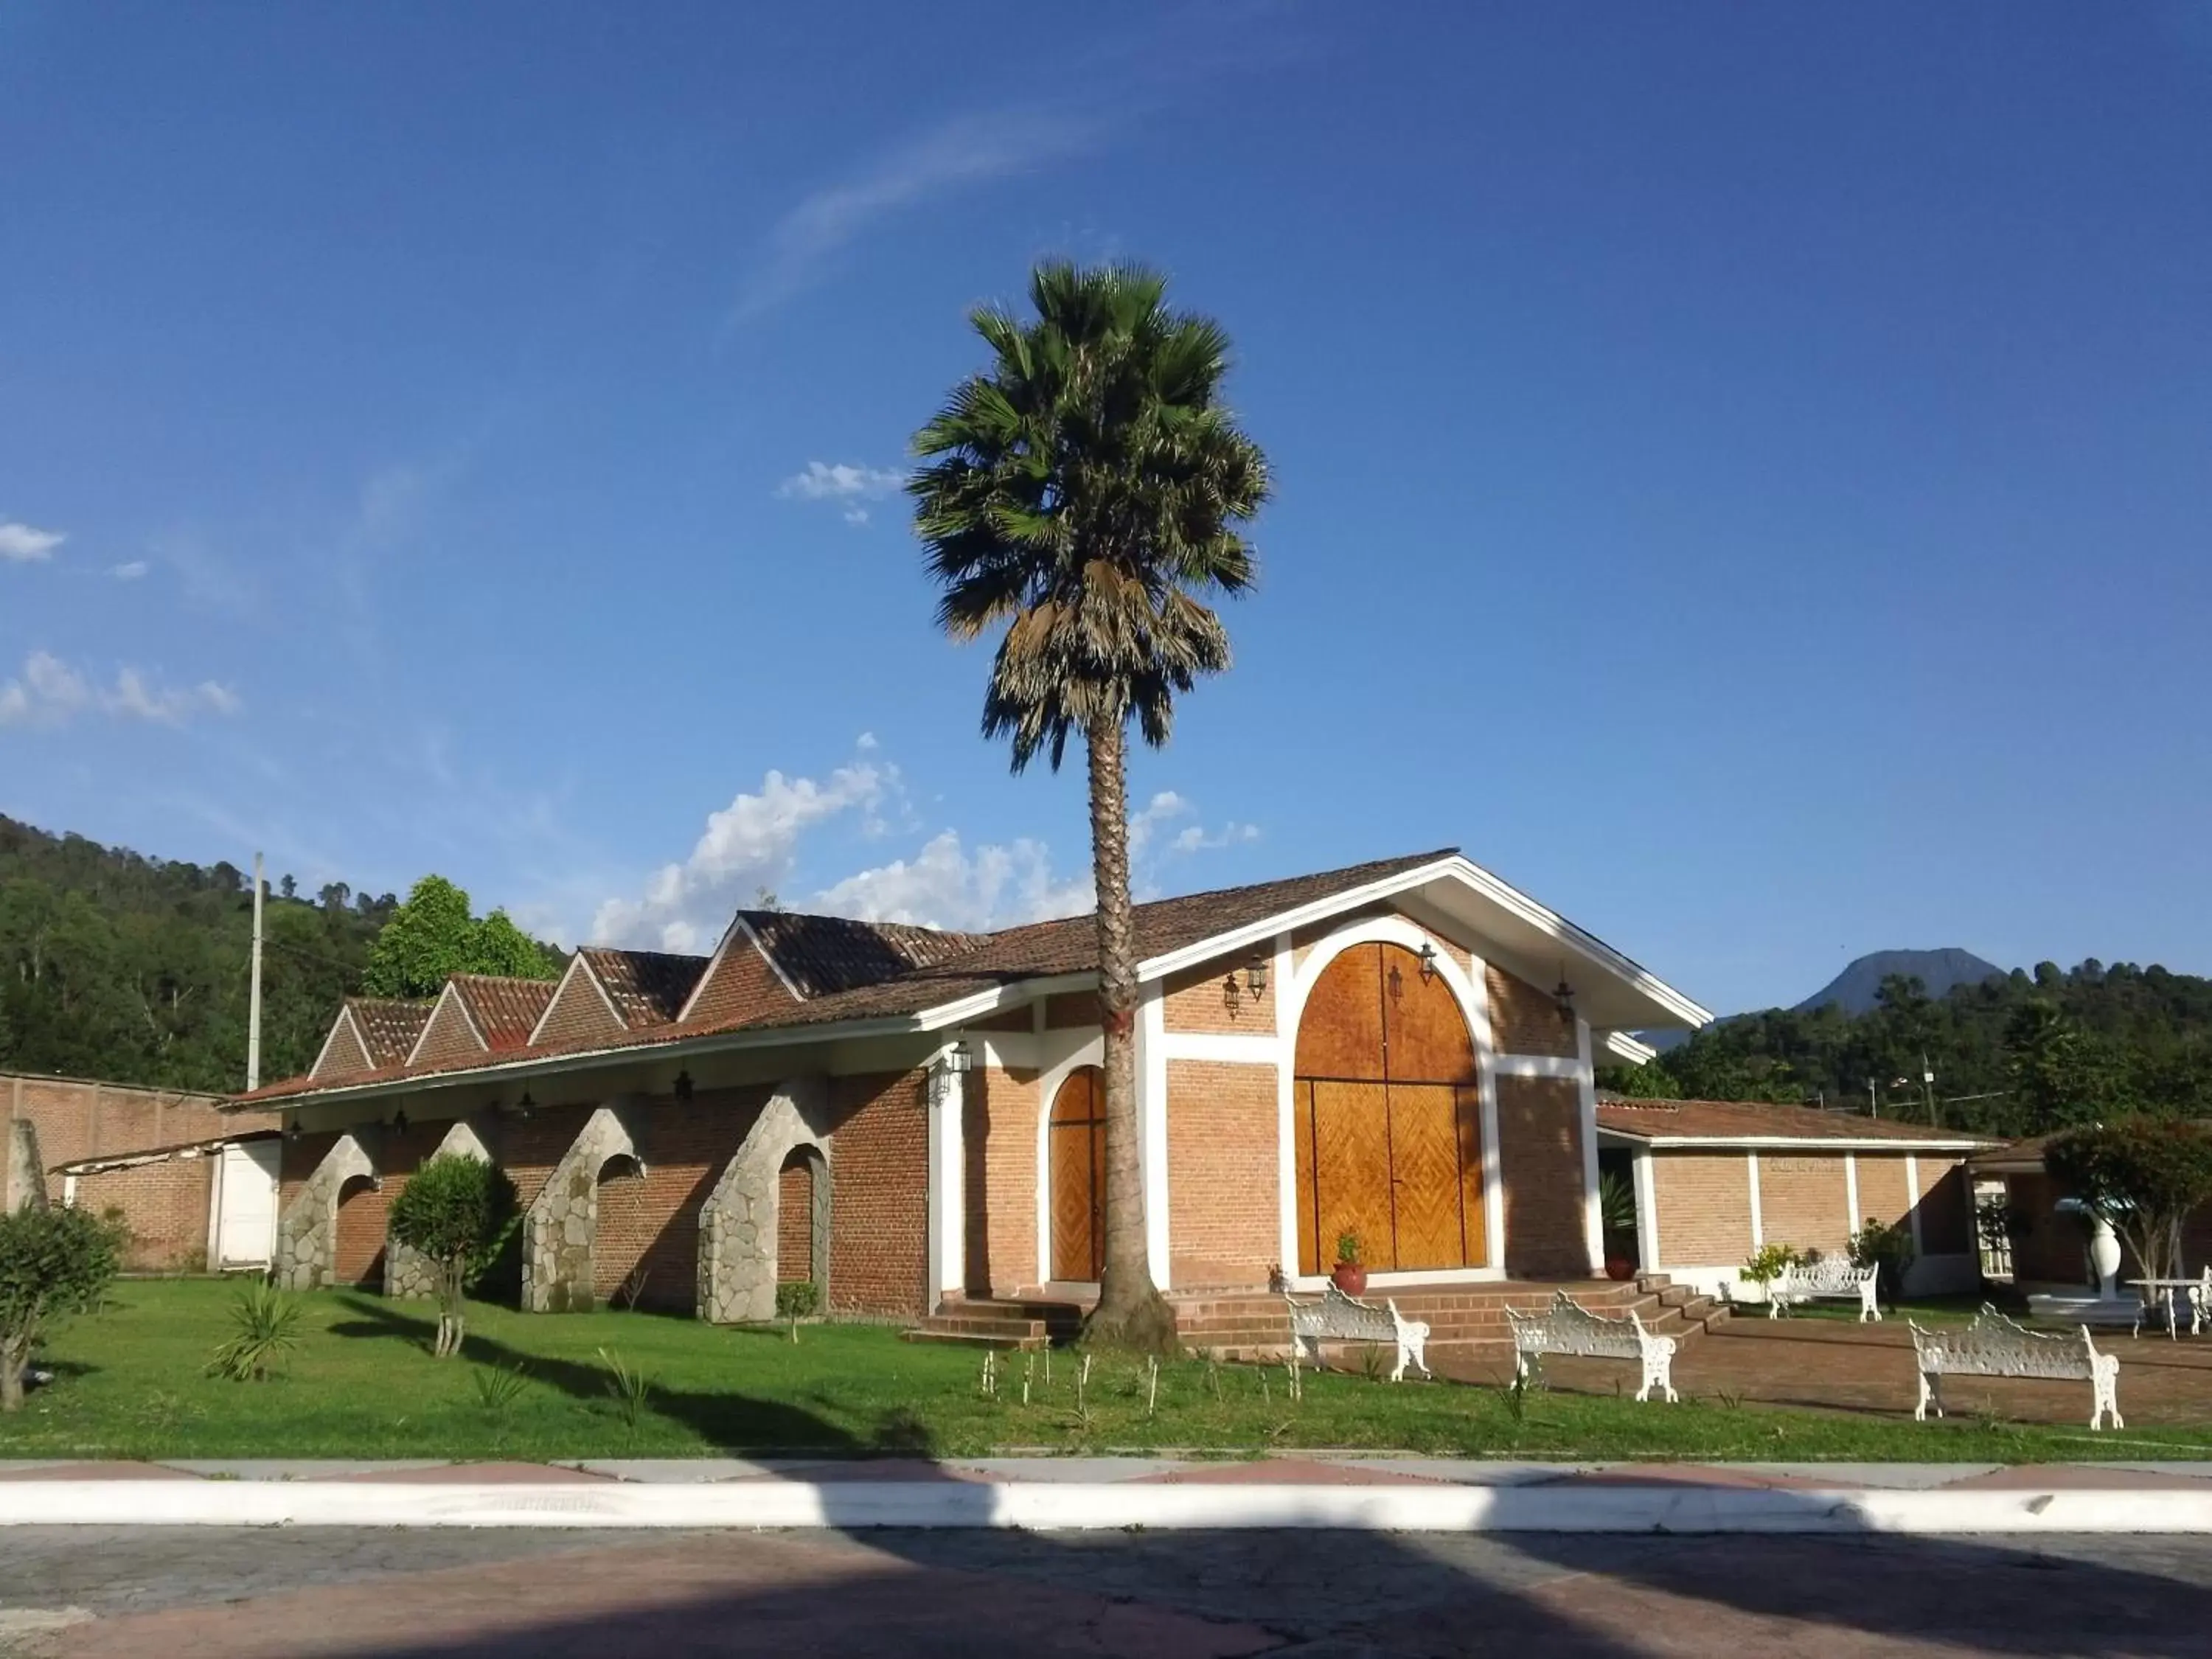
(129,572)
(972,150)
(49,692)
(23,544)
(849,485)
(945,885)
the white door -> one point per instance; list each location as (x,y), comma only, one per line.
(246,1226)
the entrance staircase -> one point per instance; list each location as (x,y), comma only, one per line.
(1464,1321)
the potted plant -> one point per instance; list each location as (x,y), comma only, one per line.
(1616,1214)
(1349,1275)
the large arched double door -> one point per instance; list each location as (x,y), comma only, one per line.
(1077,1143)
(1387,1118)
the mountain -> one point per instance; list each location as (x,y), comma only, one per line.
(1939,970)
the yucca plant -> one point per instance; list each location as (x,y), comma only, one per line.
(264,1331)
(631,1387)
(498,1385)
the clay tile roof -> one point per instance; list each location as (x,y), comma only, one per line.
(506,1011)
(1748,1120)
(648,987)
(823,954)
(389,1026)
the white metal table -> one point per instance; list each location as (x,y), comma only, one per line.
(2198,1290)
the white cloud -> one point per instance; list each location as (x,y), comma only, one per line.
(945,885)
(972,150)
(49,692)
(1197,838)
(824,481)
(750,844)
(1162,808)
(130,572)
(23,544)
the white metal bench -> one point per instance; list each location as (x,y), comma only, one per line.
(1566,1327)
(1830,1276)
(1340,1318)
(1994,1346)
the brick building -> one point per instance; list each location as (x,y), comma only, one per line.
(192,1181)
(1716,1180)
(1401,1050)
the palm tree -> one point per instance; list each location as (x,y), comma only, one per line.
(1082,491)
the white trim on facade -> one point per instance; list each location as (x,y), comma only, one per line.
(1647,1212)
(1626,1048)
(1153,1115)
(1557,1066)
(946,1095)
(1223,1047)
(1913,1192)
(1080,1046)
(1757,1221)
(1792,1143)
(1850,1194)
(1586,1093)
(1485,1062)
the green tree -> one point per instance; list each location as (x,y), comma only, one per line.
(1084,491)
(455,1211)
(433,935)
(53,1263)
(2142,1175)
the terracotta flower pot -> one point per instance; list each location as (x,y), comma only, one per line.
(1349,1277)
(1619,1268)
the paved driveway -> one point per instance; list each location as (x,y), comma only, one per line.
(173,1594)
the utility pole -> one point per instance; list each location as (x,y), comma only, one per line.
(1928,1082)
(253,994)
(1874,1108)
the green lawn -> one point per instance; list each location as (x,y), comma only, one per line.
(131,1383)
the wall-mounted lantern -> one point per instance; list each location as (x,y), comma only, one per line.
(684,1084)
(1563,994)
(1254,985)
(399,1122)
(1428,963)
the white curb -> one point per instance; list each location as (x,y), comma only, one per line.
(1057,1506)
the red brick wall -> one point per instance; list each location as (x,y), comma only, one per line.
(1802,1201)
(166,1206)
(879,1207)
(78,1120)
(998,1180)
(579,1010)
(1883,1193)
(741,983)
(363,1211)
(448,1036)
(343,1055)
(1071,1011)
(794,1220)
(1524,1020)
(1946,1216)
(1539,1161)
(1193,1001)
(1704,1201)
(1225,1219)
(650,1225)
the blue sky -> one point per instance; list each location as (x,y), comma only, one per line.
(1743,473)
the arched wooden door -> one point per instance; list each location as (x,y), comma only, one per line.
(1388,1117)
(1078,1142)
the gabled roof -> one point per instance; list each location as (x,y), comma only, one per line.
(818,971)
(388,1026)
(504,1010)
(1757,1123)
(646,987)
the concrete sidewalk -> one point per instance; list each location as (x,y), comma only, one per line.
(1347,1490)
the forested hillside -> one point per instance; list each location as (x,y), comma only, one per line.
(2014,1055)
(133,969)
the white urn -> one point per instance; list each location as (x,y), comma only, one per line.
(2105,1257)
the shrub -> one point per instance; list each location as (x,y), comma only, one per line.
(1769,1262)
(262,1319)
(53,1263)
(456,1211)
(799,1298)
(1888,1250)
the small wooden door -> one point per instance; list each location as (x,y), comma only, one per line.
(1079,1176)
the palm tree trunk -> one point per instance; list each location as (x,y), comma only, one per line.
(1131,1311)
